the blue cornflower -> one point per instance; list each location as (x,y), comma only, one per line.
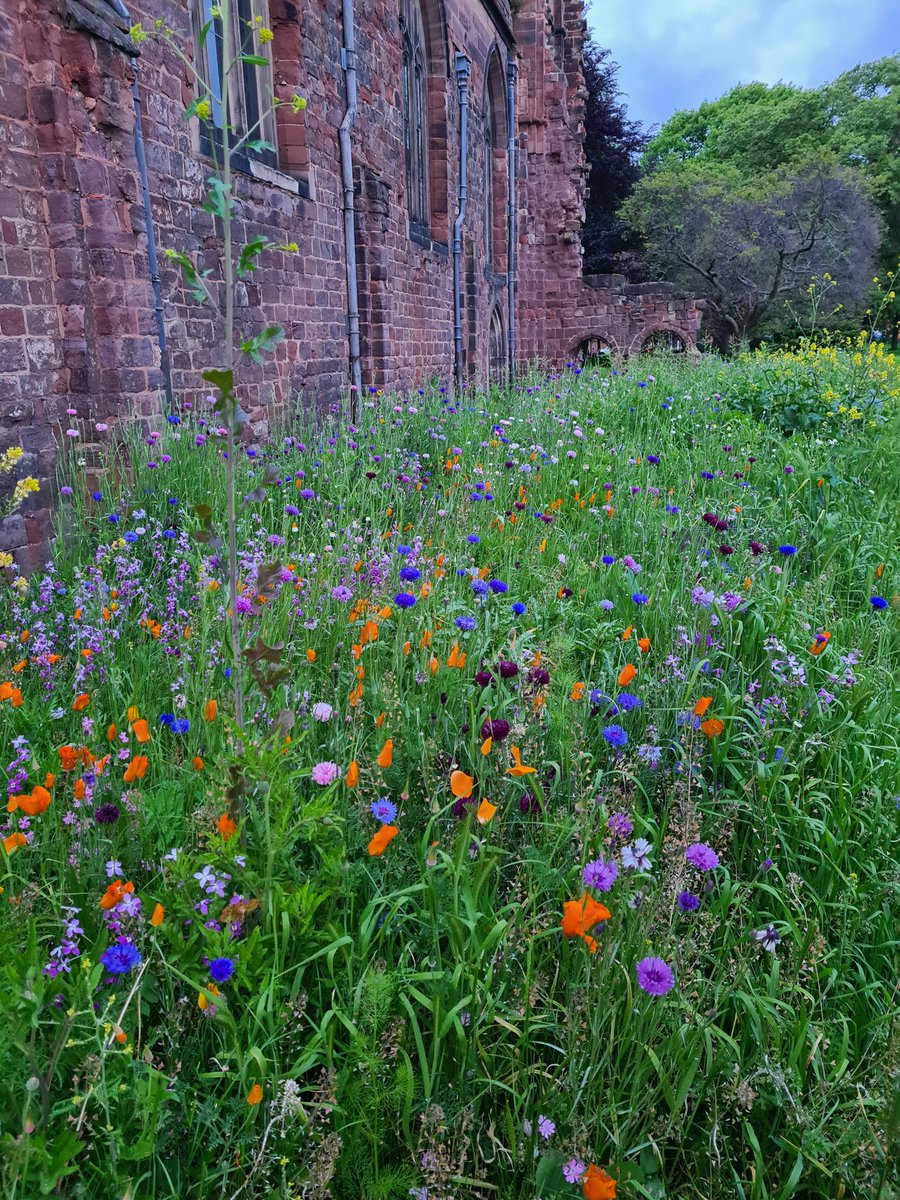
(640,598)
(497,586)
(607,560)
(166,719)
(383,810)
(410,574)
(673,509)
(466,624)
(627,702)
(878,602)
(221,970)
(653,458)
(479,587)
(616,736)
(687,901)
(173,500)
(473,539)
(113,519)
(169,533)
(96,495)
(120,958)
(518,608)
(404,600)
(787,551)
(180,725)
(707,475)
(404,549)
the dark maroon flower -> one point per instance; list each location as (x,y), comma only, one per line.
(528,803)
(519,506)
(507,669)
(106,814)
(459,808)
(564,593)
(757,548)
(539,675)
(498,729)
(715,522)
(726,550)
(483,678)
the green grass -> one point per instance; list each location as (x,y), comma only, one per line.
(408,1017)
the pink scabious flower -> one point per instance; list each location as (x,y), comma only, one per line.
(324,773)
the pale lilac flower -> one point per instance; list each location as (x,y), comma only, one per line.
(322,711)
(113,868)
(324,773)
(573,1170)
(546,1128)
(636,857)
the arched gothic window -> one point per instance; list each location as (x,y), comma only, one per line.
(495,181)
(414,88)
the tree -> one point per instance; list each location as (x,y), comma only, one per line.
(747,247)
(756,128)
(612,145)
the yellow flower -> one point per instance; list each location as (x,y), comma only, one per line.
(265,35)
(298,103)
(203,109)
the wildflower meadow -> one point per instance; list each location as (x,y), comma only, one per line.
(554,854)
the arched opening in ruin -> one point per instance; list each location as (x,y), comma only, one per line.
(592,351)
(497,357)
(664,339)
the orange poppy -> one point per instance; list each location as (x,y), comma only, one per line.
(210,709)
(136,769)
(626,675)
(580,916)
(197,763)
(351,779)
(31,805)
(712,727)
(643,645)
(6,690)
(20,666)
(518,770)
(255,1094)
(577,691)
(597,1185)
(110,732)
(78,790)
(114,893)
(627,633)
(158,914)
(68,757)
(80,702)
(702,705)
(226,826)
(140,731)
(485,811)
(461,784)
(310,656)
(203,1004)
(386,756)
(49,780)
(486,745)
(13,842)
(382,839)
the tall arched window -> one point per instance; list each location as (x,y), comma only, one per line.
(495,166)
(414,88)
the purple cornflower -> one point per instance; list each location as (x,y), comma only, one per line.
(383,810)
(701,856)
(497,586)
(106,814)
(626,702)
(404,600)
(600,874)
(507,669)
(607,561)
(654,976)
(518,608)
(479,587)
(410,574)
(636,857)
(497,729)
(341,593)
(466,624)
(687,901)
(619,825)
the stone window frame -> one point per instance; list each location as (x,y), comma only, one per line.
(414,72)
(495,167)
(250,100)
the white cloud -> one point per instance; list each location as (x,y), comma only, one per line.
(676,53)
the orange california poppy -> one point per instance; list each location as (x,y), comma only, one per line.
(577,691)
(486,746)
(597,1185)
(518,770)
(226,826)
(712,727)
(140,731)
(49,781)
(580,917)
(461,784)
(351,779)
(626,675)
(68,757)
(386,756)
(133,713)
(114,893)
(626,634)
(78,790)
(136,769)
(197,763)
(13,842)
(702,705)
(310,656)
(879,570)
(820,643)
(110,732)
(643,645)
(81,701)
(210,709)
(20,666)
(203,1004)
(382,839)
(485,811)
(6,690)
(31,805)
(158,914)
(255,1095)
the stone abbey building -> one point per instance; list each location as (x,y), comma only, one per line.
(433,186)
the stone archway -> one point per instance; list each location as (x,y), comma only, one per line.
(593,350)
(497,357)
(661,337)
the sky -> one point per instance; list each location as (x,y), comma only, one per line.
(675,54)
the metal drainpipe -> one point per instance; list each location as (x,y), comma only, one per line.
(463,66)
(511,72)
(348,62)
(152,260)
